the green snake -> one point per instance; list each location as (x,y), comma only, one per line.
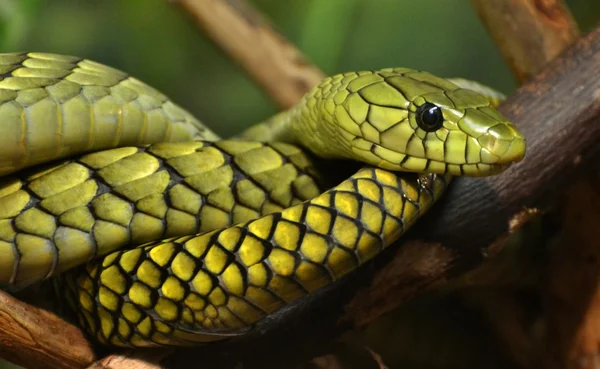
(187,238)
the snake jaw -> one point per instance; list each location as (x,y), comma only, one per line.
(489,163)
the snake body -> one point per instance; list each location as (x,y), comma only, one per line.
(250,233)
(132,195)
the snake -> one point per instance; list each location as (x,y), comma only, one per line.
(159,232)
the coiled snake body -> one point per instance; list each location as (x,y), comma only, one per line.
(250,231)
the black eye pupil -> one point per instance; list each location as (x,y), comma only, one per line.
(429,117)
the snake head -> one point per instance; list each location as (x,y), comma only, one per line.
(402,119)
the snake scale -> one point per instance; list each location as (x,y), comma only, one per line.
(186,238)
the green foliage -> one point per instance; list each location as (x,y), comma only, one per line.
(153,41)
(586,12)
(326,30)
(16,16)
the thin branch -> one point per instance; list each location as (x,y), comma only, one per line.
(528,33)
(244,34)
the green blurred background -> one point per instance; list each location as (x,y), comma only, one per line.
(155,42)
(158,44)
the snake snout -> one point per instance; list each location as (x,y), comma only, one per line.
(503,144)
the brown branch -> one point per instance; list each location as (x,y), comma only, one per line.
(132,360)
(571,292)
(244,34)
(529,33)
(34,338)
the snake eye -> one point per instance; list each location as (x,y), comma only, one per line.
(429,117)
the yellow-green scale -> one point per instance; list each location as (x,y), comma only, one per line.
(54,218)
(54,106)
(208,287)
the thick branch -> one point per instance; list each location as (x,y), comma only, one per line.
(543,29)
(244,34)
(528,33)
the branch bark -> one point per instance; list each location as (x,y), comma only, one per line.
(528,33)
(34,338)
(248,38)
(132,360)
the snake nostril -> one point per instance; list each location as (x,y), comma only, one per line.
(488,142)
(516,151)
(504,144)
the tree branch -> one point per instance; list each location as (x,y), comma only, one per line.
(528,33)
(142,359)
(245,35)
(34,338)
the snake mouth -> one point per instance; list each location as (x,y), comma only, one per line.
(388,159)
(438,167)
(497,156)
(391,160)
